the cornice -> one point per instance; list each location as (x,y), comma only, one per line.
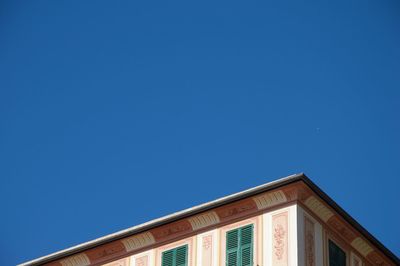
(293,189)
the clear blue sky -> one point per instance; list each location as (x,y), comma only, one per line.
(113,113)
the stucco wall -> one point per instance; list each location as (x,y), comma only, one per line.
(275,243)
(313,239)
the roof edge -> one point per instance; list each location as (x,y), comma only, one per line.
(165,220)
(211,205)
(350,219)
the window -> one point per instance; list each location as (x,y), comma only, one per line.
(337,257)
(175,257)
(239,246)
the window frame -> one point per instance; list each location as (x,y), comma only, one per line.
(189,241)
(335,241)
(239,248)
(254,221)
(174,250)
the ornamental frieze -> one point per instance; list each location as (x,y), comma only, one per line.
(309,239)
(138,241)
(377,259)
(342,229)
(298,192)
(236,210)
(280,243)
(77,260)
(105,252)
(171,230)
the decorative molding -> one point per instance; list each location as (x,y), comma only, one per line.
(142,261)
(76,260)
(106,252)
(337,224)
(346,233)
(236,210)
(280,239)
(145,258)
(270,199)
(309,238)
(377,259)
(121,262)
(207,252)
(138,241)
(279,243)
(204,220)
(361,246)
(233,212)
(172,230)
(319,208)
(355,261)
(290,193)
(207,242)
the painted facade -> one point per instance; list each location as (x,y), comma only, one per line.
(291,225)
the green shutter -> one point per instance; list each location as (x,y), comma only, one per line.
(181,256)
(232,247)
(168,258)
(175,257)
(337,257)
(239,246)
(246,245)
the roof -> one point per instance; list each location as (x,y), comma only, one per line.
(211,205)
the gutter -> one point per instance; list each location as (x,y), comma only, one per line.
(211,205)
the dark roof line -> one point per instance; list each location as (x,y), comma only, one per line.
(211,205)
(350,219)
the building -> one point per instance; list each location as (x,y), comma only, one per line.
(289,222)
